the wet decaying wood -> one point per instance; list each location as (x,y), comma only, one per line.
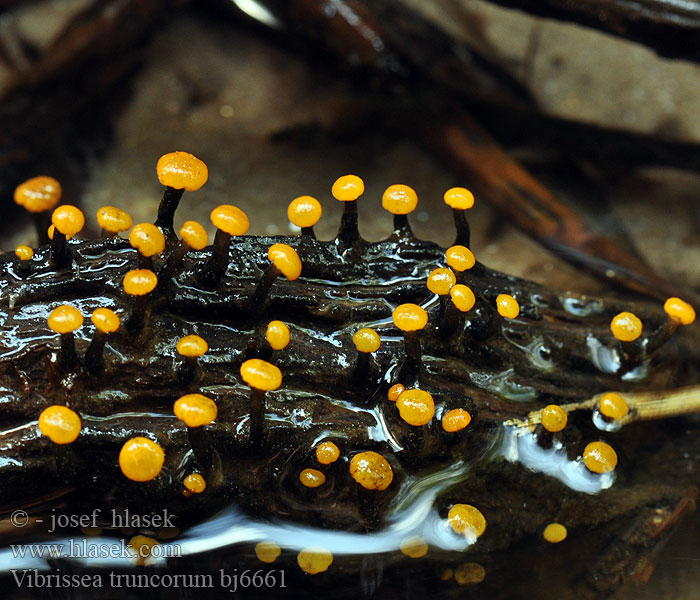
(495,368)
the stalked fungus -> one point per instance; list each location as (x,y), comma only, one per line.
(312,478)
(466,519)
(371,470)
(191,348)
(416,407)
(195,410)
(60,424)
(507,306)
(348,189)
(193,236)
(599,457)
(314,560)
(267,551)
(113,221)
(277,335)
(138,283)
(67,220)
(554,418)
(456,420)
(178,172)
(141,459)
(462,297)
(554,533)
(194,483)
(24,256)
(366,341)
(105,321)
(411,318)
(149,241)
(229,221)
(626,327)
(613,406)
(400,200)
(460,200)
(284,261)
(440,282)
(460,259)
(414,547)
(304,212)
(39,195)
(262,377)
(327,453)
(395,391)
(679,311)
(64,320)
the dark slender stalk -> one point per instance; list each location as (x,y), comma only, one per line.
(201,447)
(94,359)
(402,228)
(308,231)
(462,225)
(59,249)
(215,267)
(42,221)
(166,212)
(348,234)
(262,289)
(138,313)
(257,418)
(68,357)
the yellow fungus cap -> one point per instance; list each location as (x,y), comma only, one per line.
(142,546)
(371,470)
(348,188)
(366,340)
(195,483)
(286,259)
(599,457)
(113,219)
(277,335)
(327,453)
(679,311)
(192,345)
(195,410)
(395,391)
(147,239)
(314,560)
(613,406)
(399,199)
(267,551)
(416,407)
(60,424)
(410,317)
(304,211)
(456,420)
(414,547)
(462,297)
(626,327)
(554,418)
(261,375)
(554,533)
(465,518)
(50,231)
(68,219)
(230,219)
(65,319)
(194,235)
(140,282)
(507,306)
(470,573)
(459,198)
(105,320)
(38,194)
(24,252)
(459,258)
(312,478)
(182,171)
(141,459)
(440,281)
